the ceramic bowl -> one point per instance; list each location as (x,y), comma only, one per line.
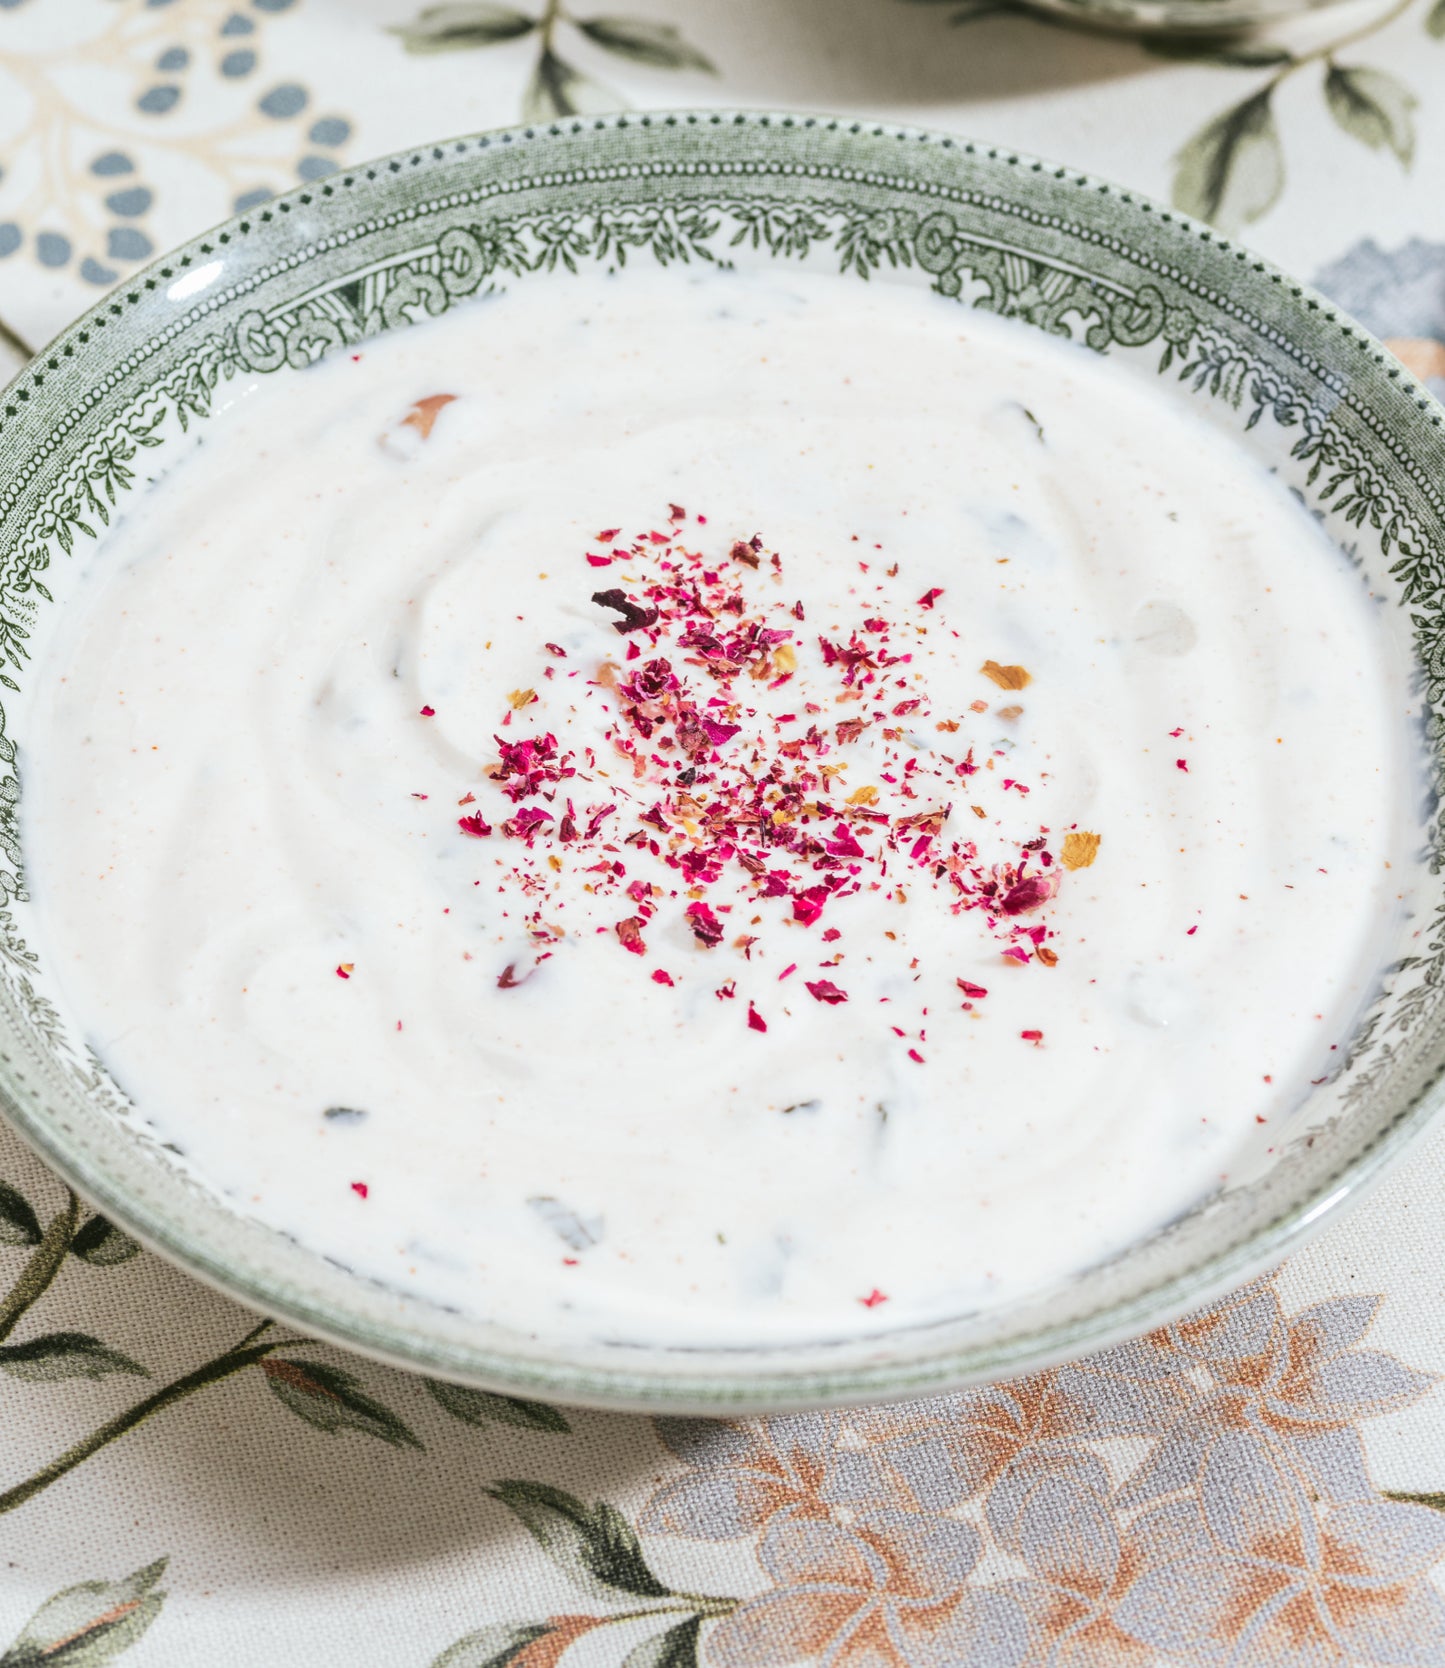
(1306,391)
(1202,19)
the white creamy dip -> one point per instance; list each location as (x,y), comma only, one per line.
(1169,739)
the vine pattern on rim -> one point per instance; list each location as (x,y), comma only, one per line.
(479,257)
(324,1395)
(1197,1493)
(556,86)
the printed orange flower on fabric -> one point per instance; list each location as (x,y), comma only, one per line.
(741,1476)
(1299,1382)
(889,1590)
(1062,1524)
(1200,1494)
(1247,1565)
(946,1451)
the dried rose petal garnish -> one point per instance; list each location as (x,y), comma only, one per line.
(725,794)
(1079,849)
(1006,677)
(423,415)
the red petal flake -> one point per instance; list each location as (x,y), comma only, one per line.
(630,932)
(661,978)
(599,561)
(808,906)
(756,1022)
(706,927)
(1028,894)
(475,826)
(360,1189)
(1181,764)
(972,991)
(824,990)
(928,598)
(1034,1037)
(345,969)
(873,1299)
(428,712)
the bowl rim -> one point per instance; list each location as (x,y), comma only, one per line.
(753,1387)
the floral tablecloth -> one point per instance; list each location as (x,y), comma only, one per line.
(1263,1484)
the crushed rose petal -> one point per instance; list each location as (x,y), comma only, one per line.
(424,413)
(1079,849)
(1006,677)
(747,807)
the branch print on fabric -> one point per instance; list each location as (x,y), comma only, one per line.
(329,1398)
(556,86)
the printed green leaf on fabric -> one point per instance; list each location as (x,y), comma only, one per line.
(1232,170)
(595,1545)
(102,1244)
(491,1647)
(645,42)
(19,1225)
(332,1399)
(556,89)
(91,1624)
(1374,107)
(1435,1501)
(482,1407)
(462,26)
(677,1648)
(60,1355)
